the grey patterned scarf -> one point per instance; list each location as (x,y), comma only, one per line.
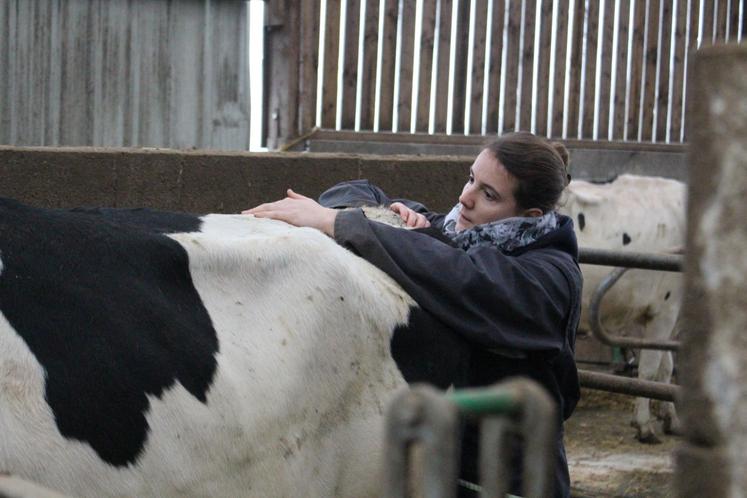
(506,235)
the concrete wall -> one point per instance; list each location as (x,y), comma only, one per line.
(214,181)
(200,181)
(590,160)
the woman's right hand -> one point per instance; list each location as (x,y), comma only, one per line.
(410,217)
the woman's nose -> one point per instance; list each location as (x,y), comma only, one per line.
(466,197)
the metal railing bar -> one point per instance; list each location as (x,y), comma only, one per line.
(625,385)
(629,259)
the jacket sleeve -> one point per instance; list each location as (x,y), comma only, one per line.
(357,193)
(497,301)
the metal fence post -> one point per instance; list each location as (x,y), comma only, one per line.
(514,407)
(423,416)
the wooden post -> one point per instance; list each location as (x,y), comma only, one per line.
(291,42)
(714,353)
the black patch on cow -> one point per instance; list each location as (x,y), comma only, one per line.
(106,304)
(626,239)
(666,296)
(581,221)
(425,350)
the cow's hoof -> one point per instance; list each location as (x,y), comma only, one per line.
(672,425)
(648,437)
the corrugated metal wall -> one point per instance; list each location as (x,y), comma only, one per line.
(165,73)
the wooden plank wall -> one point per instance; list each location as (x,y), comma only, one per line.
(582,69)
(159,73)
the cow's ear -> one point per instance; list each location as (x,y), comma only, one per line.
(532,213)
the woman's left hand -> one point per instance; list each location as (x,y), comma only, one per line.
(298,210)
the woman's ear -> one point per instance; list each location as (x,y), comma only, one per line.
(532,213)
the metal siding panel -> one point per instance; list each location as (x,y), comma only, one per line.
(74,125)
(5,77)
(229,117)
(153,74)
(186,25)
(110,110)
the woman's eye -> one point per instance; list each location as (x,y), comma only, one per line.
(471,179)
(489,196)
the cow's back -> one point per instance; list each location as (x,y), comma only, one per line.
(247,357)
(632,213)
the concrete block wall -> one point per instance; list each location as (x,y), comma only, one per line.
(202,181)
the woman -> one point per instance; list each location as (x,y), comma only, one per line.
(508,281)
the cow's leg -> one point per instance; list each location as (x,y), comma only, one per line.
(648,369)
(672,423)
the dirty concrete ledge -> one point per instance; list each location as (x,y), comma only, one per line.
(202,181)
(211,181)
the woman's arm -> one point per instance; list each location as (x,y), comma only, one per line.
(492,299)
(495,300)
(357,193)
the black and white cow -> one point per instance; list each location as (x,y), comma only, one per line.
(642,214)
(145,353)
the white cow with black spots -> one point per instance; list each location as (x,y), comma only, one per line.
(641,214)
(145,353)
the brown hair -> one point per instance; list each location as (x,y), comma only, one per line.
(539,166)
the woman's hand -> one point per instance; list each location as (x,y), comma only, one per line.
(410,217)
(298,210)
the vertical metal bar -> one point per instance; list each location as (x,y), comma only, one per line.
(470,60)
(520,79)
(582,89)
(504,69)
(644,64)
(486,68)
(672,49)
(322,56)
(684,72)
(434,70)
(629,67)
(701,12)
(715,22)
(568,52)
(613,77)
(598,71)
(379,55)
(535,63)
(421,416)
(359,80)
(341,63)
(496,434)
(658,71)
(551,83)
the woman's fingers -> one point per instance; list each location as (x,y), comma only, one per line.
(409,217)
(293,195)
(422,222)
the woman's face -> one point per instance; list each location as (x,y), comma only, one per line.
(489,193)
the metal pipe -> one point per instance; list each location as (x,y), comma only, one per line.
(625,385)
(421,415)
(598,331)
(520,406)
(627,259)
